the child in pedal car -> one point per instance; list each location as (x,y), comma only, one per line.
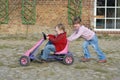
(56,42)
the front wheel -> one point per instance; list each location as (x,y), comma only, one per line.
(68,60)
(24,61)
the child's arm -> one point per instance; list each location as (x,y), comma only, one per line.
(75,35)
(56,39)
(50,35)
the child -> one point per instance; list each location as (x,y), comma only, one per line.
(56,42)
(90,39)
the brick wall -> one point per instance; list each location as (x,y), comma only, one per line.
(49,13)
(87,12)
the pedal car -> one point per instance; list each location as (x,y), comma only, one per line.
(63,56)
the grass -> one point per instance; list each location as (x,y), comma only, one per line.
(5,46)
(95,67)
(28,47)
(12,38)
(20,37)
(108,37)
(112,76)
(13,65)
(100,70)
(51,73)
(38,36)
(81,67)
(1,64)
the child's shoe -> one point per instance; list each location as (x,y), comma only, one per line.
(83,59)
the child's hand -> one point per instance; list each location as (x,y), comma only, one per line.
(47,37)
(46,34)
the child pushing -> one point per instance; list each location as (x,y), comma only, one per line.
(90,39)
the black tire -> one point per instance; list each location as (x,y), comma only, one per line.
(24,61)
(68,60)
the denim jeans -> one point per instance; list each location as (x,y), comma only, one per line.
(48,48)
(94,43)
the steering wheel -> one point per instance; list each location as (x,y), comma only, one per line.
(44,35)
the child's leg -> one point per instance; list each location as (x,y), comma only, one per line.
(47,50)
(85,49)
(49,43)
(94,43)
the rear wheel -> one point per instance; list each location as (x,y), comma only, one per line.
(68,60)
(24,61)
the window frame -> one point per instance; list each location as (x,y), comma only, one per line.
(106,18)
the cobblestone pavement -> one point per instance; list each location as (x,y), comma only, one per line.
(12,49)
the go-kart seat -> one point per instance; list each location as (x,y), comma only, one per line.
(65,50)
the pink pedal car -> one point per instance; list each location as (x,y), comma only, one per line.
(63,56)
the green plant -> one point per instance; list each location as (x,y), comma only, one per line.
(3,11)
(28,11)
(74,9)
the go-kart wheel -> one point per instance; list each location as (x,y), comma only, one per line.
(24,61)
(68,60)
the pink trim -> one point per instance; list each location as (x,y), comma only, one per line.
(27,53)
(65,50)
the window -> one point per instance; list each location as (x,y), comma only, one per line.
(107,15)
